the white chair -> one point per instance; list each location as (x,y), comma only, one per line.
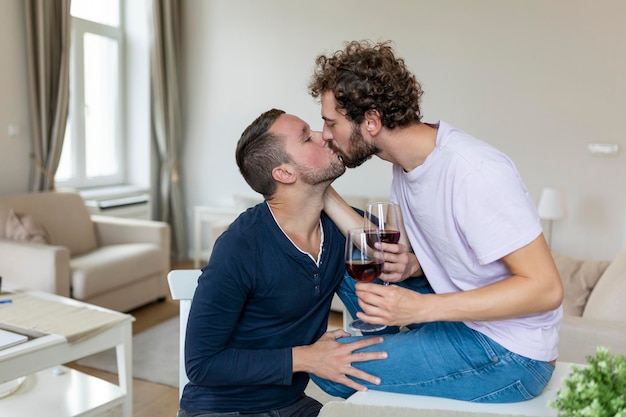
(183,284)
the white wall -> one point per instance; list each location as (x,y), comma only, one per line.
(537,79)
(15,150)
(137,111)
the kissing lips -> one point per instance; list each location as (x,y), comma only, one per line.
(336,151)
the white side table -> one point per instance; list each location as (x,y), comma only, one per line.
(211,216)
(44,350)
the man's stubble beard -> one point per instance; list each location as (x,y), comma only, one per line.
(325,176)
(360,151)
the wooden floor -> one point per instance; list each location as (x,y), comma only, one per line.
(150,399)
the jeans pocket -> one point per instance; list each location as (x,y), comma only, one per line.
(540,374)
(513,377)
(490,349)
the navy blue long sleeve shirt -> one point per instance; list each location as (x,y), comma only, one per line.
(258,297)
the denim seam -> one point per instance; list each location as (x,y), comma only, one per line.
(531,366)
(490,354)
(516,385)
(486,344)
(493,360)
(453,376)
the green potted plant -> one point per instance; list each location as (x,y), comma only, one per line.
(595,390)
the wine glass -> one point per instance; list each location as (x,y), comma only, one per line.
(364,262)
(383,217)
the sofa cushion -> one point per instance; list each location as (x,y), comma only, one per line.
(26,228)
(606,301)
(63,214)
(579,278)
(114,266)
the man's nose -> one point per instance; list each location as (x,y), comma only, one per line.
(326,134)
(317,137)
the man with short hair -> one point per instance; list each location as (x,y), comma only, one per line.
(257,325)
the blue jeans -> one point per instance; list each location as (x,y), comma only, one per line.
(445,359)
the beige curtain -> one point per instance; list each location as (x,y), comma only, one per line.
(166,121)
(48,55)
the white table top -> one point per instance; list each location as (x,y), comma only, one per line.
(59,329)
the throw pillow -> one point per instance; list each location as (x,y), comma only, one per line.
(579,278)
(24,227)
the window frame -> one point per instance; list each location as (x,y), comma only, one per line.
(76,122)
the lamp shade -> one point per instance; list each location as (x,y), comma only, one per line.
(552,205)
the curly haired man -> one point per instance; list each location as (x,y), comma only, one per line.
(482,296)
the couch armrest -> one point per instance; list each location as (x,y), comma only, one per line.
(117,230)
(579,337)
(33,266)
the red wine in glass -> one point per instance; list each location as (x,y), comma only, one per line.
(364,262)
(386,236)
(384,218)
(364,270)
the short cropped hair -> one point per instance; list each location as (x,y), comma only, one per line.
(259,152)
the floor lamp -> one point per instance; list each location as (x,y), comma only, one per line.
(551,207)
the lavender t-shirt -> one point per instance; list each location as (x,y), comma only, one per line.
(464,209)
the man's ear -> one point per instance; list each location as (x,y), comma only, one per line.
(372,121)
(283,174)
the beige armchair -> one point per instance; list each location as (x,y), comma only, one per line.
(49,242)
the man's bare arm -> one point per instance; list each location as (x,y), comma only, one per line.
(400,263)
(534,286)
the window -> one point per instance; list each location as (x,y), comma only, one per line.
(93,151)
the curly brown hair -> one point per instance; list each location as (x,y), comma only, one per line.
(368,76)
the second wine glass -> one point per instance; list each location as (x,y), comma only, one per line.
(384,217)
(364,262)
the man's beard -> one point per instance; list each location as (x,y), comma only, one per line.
(360,151)
(327,175)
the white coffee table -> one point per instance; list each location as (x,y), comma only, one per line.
(76,393)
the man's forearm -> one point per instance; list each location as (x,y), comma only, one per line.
(340,212)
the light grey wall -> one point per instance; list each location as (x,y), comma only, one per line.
(14,150)
(537,79)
